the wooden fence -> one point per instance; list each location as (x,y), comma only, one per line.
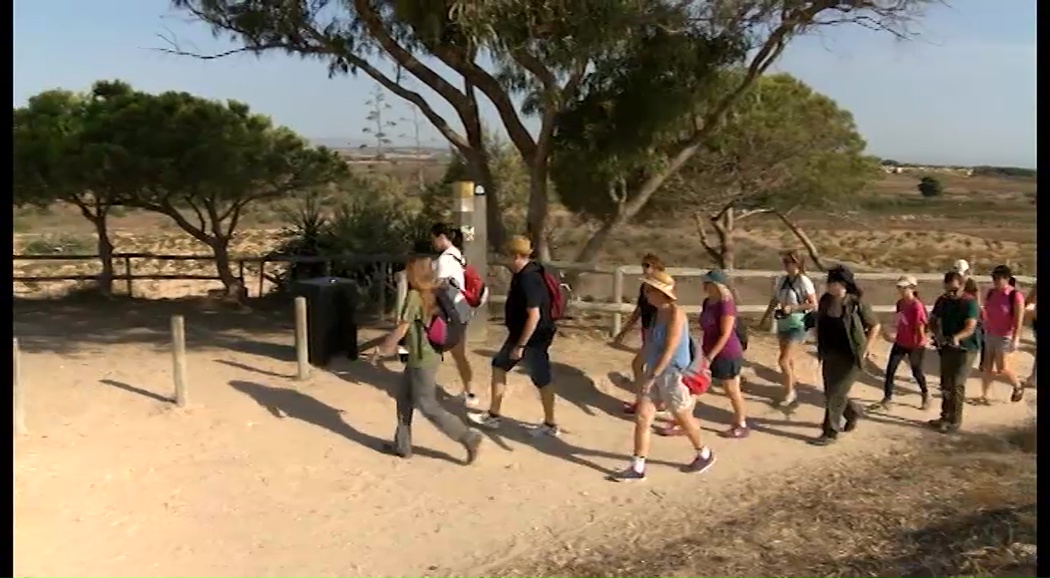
(615,306)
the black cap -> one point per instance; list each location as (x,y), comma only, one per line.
(1002,272)
(841,274)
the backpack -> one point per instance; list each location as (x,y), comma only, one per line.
(445,329)
(738,328)
(474,291)
(696,377)
(559,299)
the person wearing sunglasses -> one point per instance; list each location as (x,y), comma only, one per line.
(645,312)
(793,296)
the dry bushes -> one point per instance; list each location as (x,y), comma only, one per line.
(963,507)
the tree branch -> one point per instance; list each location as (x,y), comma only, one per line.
(705,240)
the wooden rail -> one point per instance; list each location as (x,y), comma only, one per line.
(615,306)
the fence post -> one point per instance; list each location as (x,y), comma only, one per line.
(19,401)
(127,273)
(776,292)
(379,277)
(302,352)
(617,324)
(401,295)
(178,351)
(469,207)
(262,275)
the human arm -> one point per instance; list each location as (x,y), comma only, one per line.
(410,312)
(629,324)
(809,297)
(671,342)
(535,292)
(1018,320)
(972,312)
(774,301)
(872,327)
(1029,300)
(726,324)
(922,320)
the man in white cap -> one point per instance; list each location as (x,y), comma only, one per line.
(962,267)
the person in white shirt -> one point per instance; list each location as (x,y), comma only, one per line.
(793,296)
(449,268)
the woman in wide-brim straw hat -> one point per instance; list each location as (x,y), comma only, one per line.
(666,358)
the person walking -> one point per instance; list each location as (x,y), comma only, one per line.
(953,327)
(530,332)
(450,269)
(908,343)
(722,347)
(846,328)
(417,388)
(1030,305)
(646,313)
(666,357)
(971,288)
(1003,323)
(793,296)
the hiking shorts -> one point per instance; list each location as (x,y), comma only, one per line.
(669,389)
(996,345)
(795,335)
(535,359)
(724,369)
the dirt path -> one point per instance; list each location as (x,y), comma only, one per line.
(262,476)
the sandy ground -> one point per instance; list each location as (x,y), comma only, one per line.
(265,476)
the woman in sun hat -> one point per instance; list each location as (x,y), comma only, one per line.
(666,358)
(909,342)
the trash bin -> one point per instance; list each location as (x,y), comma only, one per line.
(331,327)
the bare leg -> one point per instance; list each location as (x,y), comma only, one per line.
(643,422)
(690,425)
(547,399)
(637,367)
(787,366)
(499,387)
(736,398)
(466,372)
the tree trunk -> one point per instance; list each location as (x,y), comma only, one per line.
(803,238)
(537,215)
(220,246)
(725,239)
(105,254)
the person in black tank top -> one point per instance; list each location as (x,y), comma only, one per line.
(646,313)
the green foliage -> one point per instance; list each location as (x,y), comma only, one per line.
(930,187)
(508,172)
(1009,172)
(58,245)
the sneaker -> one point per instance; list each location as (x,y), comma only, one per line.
(700,465)
(737,432)
(1017,394)
(851,423)
(788,399)
(883,405)
(472,443)
(628,475)
(925,406)
(935,423)
(630,408)
(469,400)
(545,429)
(485,420)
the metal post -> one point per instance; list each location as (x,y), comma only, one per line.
(618,300)
(178,353)
(469,207)
(302,352)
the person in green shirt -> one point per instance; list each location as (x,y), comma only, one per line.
(953,324)
(418,386)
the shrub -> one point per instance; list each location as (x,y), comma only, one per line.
(930,187)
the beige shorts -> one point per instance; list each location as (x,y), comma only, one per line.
(669,389)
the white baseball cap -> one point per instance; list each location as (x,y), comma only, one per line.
(961,266)
(907,281)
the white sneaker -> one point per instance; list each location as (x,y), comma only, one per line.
(545,430)
(485,420)
(469,400)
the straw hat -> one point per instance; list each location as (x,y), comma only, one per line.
(662,282)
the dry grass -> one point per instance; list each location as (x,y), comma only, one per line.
(962,507)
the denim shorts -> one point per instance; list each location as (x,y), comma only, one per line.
(535,359)
(796,335)
(723,369)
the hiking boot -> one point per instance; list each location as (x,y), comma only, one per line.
(1017,394)
(823,440)
(472,443)
(628,475)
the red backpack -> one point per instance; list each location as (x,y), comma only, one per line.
(558,300)
(474,291)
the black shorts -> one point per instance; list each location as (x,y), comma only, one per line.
(535,358)
(723,369)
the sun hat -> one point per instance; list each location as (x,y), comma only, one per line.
(716,276)
(517,246)
(907,281)
(662,282)
(962,266)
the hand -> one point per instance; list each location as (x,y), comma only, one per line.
(787,309)
(953,341)
(643,386)
(618,338)
(516,353)
(1015,343)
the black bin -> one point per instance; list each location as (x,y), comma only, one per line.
(331,327)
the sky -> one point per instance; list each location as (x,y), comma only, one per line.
(962,93)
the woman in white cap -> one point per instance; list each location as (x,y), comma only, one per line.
(908,343)
(970,287)
(666,357)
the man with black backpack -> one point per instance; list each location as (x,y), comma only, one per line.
(533,304)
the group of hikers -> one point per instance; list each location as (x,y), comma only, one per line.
(671,369)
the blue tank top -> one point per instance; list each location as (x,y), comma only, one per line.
(680,360)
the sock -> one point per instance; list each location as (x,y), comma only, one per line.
(638,464)
(704,453)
